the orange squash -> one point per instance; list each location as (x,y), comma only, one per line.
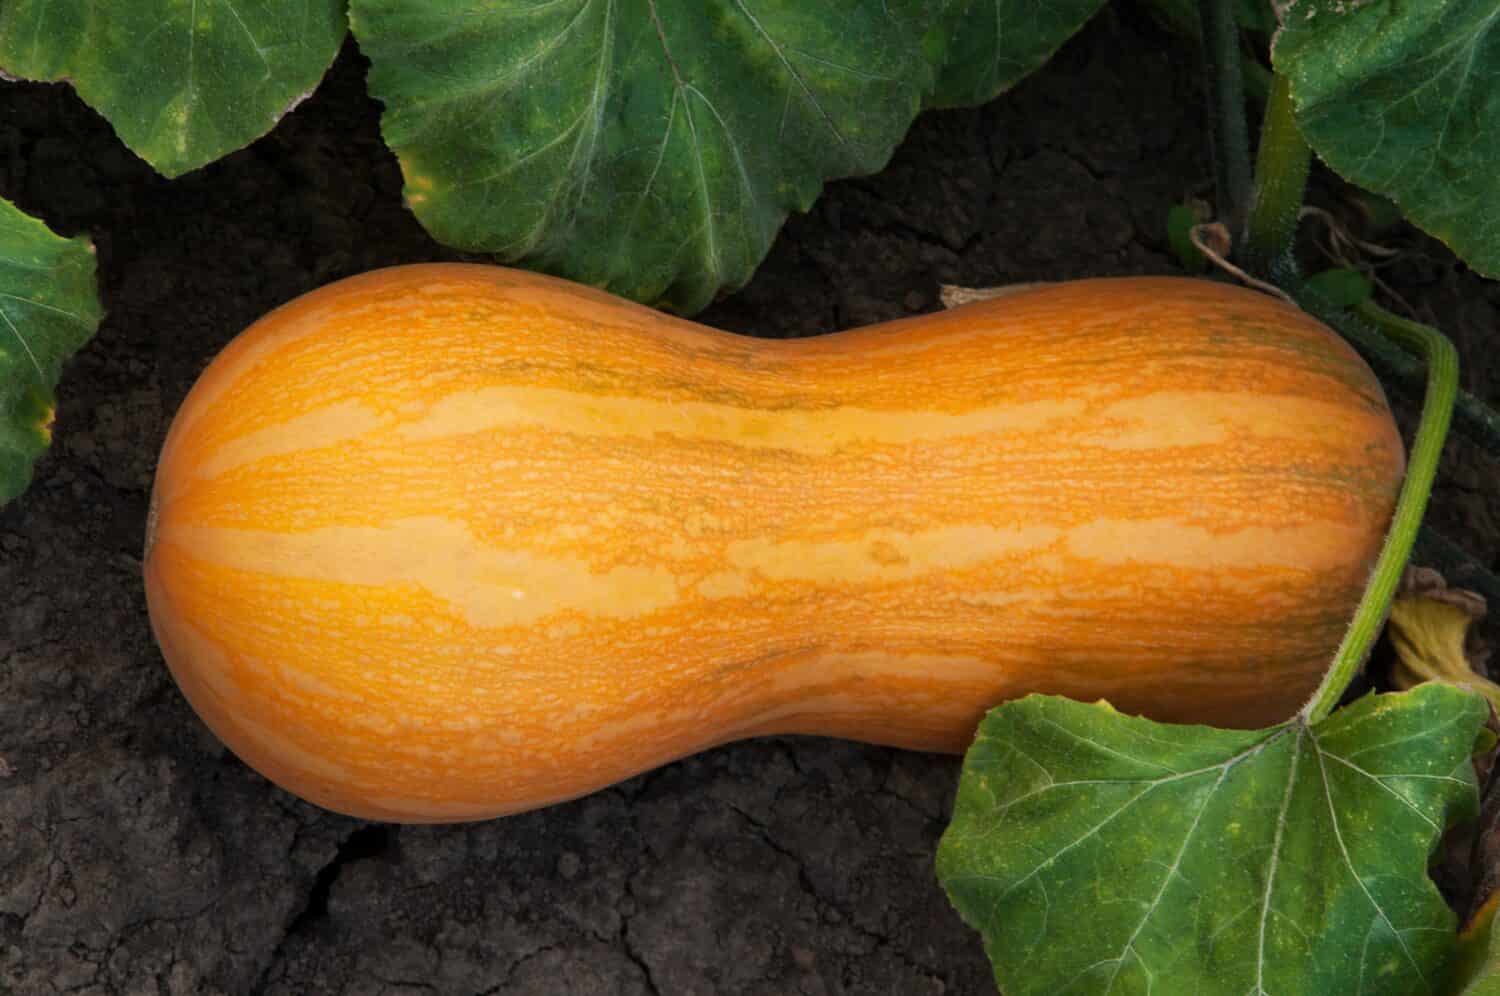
(446,542)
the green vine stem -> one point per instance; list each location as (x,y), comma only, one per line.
(1394,347)
(1181,18)
(1421,471)
(1281,169)
(1479,421)
(1226,95)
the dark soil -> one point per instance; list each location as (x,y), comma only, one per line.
(138,856)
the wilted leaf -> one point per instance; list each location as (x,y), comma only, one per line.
(1400,98)
(1098,852)
(1430,629)
(48,309)
(183,82)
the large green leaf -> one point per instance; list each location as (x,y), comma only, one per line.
(182,81)
(652,147)
(1401,98)
(1100,853)
(49,308)
(988,46)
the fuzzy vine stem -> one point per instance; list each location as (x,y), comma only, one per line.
(1181,18)
(1281,167)
(1407,334)
(1411,505)
(1226,96)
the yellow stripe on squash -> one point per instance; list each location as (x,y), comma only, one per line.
(446,542)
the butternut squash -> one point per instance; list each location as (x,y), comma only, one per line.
(445,542)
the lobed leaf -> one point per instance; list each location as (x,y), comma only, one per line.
(1402,99)
(183,82)
(654,147)
(651,147)
(1102,853)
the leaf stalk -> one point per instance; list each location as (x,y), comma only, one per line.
(1226,111)
(1283,160)
(1411,505)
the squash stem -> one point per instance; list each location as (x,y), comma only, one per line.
(1411,505)
(1282,162)
(1226,112)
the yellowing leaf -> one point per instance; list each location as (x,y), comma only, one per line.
(1429,627)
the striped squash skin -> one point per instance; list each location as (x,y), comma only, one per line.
(445,542)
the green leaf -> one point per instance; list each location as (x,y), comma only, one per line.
(1098,852)
(1400,98)
(1342,286)
(654,147)
(182,81)
(1181,220)
(48,309)
(989,46)
(650,147)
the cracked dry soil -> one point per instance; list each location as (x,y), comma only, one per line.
(138,857)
